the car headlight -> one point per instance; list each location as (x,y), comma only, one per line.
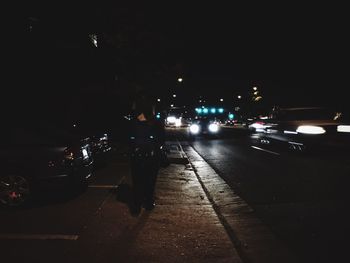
(178,122)
(213,127)
(310,129)
(343,128)
(171,119)
(194,128)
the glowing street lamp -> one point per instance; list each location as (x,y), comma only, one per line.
(255,88)
(158,100)
(239,96)
(179,79)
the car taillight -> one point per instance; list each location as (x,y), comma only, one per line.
(69,154)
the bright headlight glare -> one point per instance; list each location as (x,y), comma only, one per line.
(178,122)
(309,129)
(194,128)
(257,125)
(343,128)
(171,119)
(213,127)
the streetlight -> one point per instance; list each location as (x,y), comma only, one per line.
(255,88)
(158,100)
(221,100)
(179,79)
(174,95)
(239,96)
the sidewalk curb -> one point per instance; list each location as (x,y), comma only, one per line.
(252,239)
(175,153)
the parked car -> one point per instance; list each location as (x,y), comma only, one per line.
(306,128)
(100,144)
(41,158)
(98,139)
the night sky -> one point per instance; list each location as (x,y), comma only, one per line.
(296,55)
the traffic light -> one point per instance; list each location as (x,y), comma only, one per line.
(212,110)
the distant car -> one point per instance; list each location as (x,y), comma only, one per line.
(230,122)
(204,126)
(38,158)
(174,121)
(306,128)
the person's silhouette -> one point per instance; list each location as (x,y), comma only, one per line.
(146,139)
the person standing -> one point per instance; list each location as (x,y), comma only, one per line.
(147,137)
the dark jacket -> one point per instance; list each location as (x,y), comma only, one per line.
(146,137)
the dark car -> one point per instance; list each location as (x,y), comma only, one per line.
(230,122)
(98,139)
(204,126)
(41,158)
(100,144)
(306,128)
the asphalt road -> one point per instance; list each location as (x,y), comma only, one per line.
(303,198)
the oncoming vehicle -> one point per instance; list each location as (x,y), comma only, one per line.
(307,128)
(177,117)
(204,126)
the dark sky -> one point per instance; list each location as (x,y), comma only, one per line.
(294,53)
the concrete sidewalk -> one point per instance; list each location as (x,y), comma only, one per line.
(185,226)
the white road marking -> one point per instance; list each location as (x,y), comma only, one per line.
(264,150)
(39,237)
